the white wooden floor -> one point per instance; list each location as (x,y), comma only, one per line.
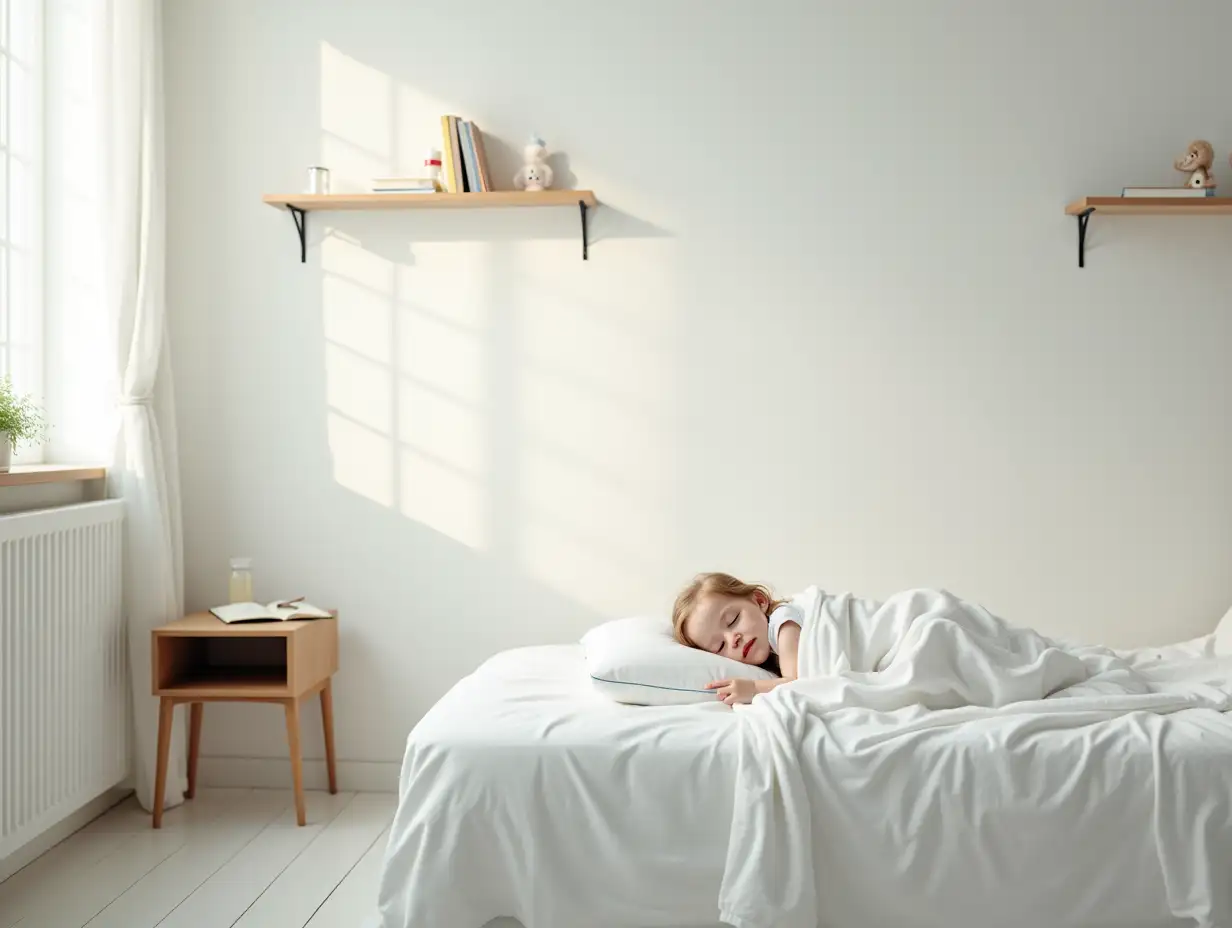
(230,857)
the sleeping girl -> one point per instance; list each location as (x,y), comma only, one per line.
(918,648)
(743,621)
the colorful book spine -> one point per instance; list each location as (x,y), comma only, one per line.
(468,156)
(455,138)
(481,157)
(451,178)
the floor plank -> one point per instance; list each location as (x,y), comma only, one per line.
(353,903)
(76,895)
(225,897)
(210,846)
(38,878)
(129,817)
(228,857)
(79,897)
(294,897)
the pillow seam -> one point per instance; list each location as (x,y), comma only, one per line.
(654,686)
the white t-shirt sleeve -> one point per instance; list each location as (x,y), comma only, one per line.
(781,616)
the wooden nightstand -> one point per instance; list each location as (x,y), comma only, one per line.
(200,659)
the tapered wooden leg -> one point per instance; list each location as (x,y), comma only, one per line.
(297,759)
(166,714)
(327,722)
(194,746)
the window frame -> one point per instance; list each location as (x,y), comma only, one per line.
(23,130)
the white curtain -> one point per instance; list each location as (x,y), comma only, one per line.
(144,471)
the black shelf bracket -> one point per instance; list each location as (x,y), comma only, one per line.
(301,226)
(1083,218)
(585,234)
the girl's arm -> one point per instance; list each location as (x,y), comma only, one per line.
(789,652)
(743,690)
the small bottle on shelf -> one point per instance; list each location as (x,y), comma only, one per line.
(240,587)
(432,168)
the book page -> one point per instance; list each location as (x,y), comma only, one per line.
(299,610)
(243,612)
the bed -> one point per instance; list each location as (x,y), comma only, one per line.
(525,794)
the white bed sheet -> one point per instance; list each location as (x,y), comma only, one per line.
(526,794)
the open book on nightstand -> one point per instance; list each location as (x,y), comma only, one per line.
(282,611)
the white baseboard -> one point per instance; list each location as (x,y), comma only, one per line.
(36,847)
(275,773)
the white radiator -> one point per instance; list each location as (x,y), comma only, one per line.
(63,665)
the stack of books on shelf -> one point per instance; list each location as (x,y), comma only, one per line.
(1186,192)
(464,164)
(405,185)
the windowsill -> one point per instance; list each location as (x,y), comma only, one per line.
(29,474)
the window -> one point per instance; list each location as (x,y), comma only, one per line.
(21,198)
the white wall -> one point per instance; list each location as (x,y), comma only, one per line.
(832,329)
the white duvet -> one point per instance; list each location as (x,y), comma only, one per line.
(858,801)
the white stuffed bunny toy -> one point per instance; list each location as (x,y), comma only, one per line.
(535,174)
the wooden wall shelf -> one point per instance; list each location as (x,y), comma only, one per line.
(1142,206)
(300,204)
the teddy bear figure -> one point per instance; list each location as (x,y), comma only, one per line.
(536,173)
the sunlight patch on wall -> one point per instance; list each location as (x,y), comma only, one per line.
(441,355)
(357,318)
(363,459)
(446,430)
(372,125)
(357,311)
(449,281)
(440,497)
(593,472)
(404,376)
(356,136)
(442,417)
(359,389)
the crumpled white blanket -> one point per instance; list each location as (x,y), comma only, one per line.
(925,659)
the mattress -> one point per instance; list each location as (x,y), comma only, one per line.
(524,793)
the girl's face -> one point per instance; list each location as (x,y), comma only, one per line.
(731,626)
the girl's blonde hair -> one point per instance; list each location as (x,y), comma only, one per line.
(707,585)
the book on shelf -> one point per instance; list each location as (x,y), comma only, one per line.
(447,163)
(481,157)
(464,160)
(455,143)
(405,185)
(279,611)
(474,184)
(1195,193)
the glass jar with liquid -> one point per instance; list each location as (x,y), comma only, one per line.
(240,587)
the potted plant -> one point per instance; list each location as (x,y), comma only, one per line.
(20,421)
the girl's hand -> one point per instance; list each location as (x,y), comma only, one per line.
(734,691)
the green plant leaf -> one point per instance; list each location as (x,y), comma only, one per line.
(20,418)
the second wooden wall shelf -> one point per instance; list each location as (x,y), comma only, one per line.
(1167,206)
(300,204)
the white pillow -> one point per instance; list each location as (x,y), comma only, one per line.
(638,661)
